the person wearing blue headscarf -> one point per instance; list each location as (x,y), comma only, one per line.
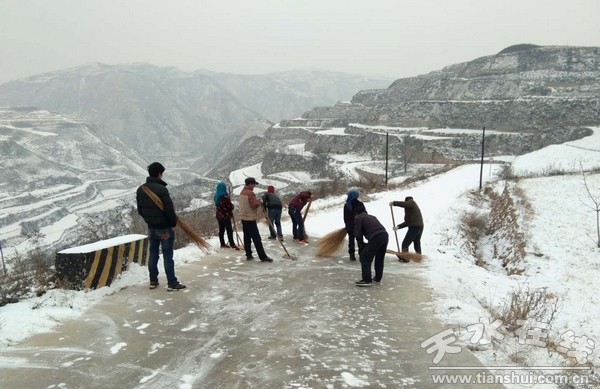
(352,200)
(224,208)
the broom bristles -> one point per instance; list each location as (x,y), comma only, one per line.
(193,235)
(415,257)
(331,242)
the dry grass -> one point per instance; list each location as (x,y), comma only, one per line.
(498,227)
(473,226)
(504,223)
(525,304)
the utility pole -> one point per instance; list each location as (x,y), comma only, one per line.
(387,143)
(2,255)
(482,152)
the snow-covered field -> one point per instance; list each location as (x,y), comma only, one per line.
(561,256)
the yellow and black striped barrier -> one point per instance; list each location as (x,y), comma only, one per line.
(98,264)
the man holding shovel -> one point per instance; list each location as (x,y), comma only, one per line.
(414,221)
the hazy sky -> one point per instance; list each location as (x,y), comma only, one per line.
(396,38)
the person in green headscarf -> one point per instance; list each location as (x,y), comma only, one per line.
(224,214)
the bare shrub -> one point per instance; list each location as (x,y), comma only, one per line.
(330,188)
(498,227)
(593,204)
(509,245)
(526,304)
(114,222)
(29,275)
(506,172)
(473,227)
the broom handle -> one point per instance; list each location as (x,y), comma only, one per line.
(280,242)
(236,231)
(395,232)
(306,212)
(239,241)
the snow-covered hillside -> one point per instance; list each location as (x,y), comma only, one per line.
(561,257)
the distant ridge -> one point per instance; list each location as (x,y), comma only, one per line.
(519,47)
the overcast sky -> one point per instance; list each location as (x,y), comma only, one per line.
(396,38)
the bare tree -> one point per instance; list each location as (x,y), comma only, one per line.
(594,205)
(410,148)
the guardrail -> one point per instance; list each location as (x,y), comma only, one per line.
(98,264)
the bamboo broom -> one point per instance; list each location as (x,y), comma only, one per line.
(331,242)
(415,257)
(239,241)
(304,219)
(189,231)
(402,255)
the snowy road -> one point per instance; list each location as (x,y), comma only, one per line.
(288,324)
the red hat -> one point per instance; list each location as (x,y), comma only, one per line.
(271,189)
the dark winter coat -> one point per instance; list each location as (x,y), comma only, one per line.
(366,226)
(299,201)
(412,213)
(271,201)
(154,217)
(224,208)
(349,214)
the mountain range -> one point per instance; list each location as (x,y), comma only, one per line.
(77,141)
(167,114)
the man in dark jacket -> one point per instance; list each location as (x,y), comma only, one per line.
(367,226)
(414,221)
(349,220)
(273,204)
(160,225)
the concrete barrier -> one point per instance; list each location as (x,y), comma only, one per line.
(97,264)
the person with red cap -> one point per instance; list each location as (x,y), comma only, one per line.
(295,211)
(272,203)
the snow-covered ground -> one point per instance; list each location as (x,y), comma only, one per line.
(561,256)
